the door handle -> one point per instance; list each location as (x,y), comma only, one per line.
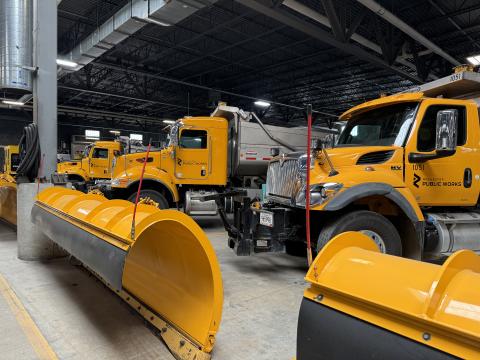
(467,178)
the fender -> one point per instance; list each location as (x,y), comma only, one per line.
(82,174)
(346,197)
(402,197)
(152,174)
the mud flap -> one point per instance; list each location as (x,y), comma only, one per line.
(168,272)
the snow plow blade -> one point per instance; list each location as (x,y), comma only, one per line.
(168,273)
(8,200)
(362,304)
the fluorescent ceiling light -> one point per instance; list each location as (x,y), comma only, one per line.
(474,60)
(168,121)
(13,102)
(262,103)
(156,22)
(66,63)
(114,132)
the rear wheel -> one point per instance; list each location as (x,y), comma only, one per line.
(152,194)
(372,224)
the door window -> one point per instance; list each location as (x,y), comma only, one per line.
(193,139)
(99,153)
(427,130)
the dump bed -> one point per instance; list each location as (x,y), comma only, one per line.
(460,85)
(250,142)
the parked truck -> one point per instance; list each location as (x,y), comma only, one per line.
(405,171)
(97,160)
(9,161)
(206,156)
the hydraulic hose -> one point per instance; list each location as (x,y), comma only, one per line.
(29,150)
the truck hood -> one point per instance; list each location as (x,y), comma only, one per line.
(68,166)
(354,155)
(358,164)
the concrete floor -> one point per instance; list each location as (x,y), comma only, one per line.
(81,319)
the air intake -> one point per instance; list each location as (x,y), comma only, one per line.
(376,157)
(16,48)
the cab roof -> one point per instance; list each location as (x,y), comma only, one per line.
(383,101)
(107,144)
(209,121)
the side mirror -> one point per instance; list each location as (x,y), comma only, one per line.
(446,134)
(317,144)
(446,137)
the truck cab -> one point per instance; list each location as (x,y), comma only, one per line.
(405,171)
(196,156)
(96,162)
(9,161)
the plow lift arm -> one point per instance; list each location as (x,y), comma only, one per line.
(363,304)
(168,272)
(219,199)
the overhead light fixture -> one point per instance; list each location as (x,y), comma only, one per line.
(13,102)
(114,132)
(474,60)
(66,63)
(166,121)
(154,21)
(262,103)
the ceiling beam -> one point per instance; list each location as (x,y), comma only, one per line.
(323,36)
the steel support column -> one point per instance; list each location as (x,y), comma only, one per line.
(45,81)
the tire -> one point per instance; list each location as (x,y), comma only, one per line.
(364,220)
(296,248)
(152,194)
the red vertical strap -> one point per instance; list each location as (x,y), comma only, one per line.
(132,232)
(307,190)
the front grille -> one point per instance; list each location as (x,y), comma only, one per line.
(282,178)
(376,157)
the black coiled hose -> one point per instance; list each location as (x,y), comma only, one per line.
(29,148)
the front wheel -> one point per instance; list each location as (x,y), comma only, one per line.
(372,224)
(152,194)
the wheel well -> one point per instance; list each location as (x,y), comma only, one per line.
(75,177)
(411,244)
(152,185)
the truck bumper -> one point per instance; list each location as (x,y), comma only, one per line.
(261,230)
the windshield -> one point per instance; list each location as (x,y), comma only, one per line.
(385,126)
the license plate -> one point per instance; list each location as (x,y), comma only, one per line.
(266,218)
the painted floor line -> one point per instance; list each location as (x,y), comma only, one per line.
(39,344)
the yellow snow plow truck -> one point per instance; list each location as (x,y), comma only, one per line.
(207,155)
(95,164)
(9,160)
(405,171)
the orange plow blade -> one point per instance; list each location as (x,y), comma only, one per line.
(363,304)
(168,272)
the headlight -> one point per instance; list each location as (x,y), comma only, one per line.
(319,193)
(120,182)
(115,182)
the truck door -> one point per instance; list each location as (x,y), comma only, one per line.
(99,163)
(446,181)
(193,154)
